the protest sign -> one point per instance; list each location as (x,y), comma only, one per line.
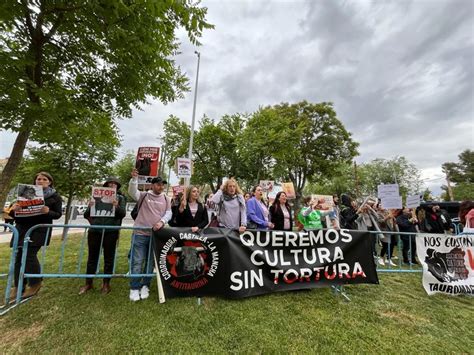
(289,190)
(267,185)
(325,202)
(30,199)
(413,201)
(177,189)
(184,167)
(448,263)
(147,164)
(388,190)
(392,203)
(103,201)
(223,262)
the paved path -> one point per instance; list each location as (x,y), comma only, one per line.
(6,236)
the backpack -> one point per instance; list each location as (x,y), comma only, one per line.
(134,213)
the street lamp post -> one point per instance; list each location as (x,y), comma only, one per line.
(191,139)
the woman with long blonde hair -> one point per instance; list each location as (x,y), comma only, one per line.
(230,203)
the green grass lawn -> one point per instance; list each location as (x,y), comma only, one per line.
(394,317)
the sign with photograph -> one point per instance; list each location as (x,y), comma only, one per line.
(30,199)
(184,167)
(267,185)
(147,164)
(103,201)
(289,190)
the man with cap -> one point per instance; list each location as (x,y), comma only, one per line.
(154,211)
(107,238)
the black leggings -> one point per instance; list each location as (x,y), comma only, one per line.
(32,265)
(94,240)
(386,249)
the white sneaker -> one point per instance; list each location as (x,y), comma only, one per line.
(381,262)
(391,263)
(134,295)
(144,292)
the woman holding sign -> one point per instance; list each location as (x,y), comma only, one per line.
(104,238)
(191,212)
(39,237)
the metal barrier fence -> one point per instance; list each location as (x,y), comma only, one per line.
(404,241)
(10,266)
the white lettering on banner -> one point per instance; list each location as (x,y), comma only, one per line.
(309,256)
(294,239)
(164,252)
(249,279)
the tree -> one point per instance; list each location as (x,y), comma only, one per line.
(82,157)
(122,169)
(57,58)
(304,142)
(390,171)
(462,174)
(462,171)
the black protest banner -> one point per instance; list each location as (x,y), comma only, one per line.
(222,262)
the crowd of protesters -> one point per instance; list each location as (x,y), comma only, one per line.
(229,207)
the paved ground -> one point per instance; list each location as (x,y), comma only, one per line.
(6,236)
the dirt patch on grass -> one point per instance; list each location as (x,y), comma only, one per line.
(405,317)
(14,338)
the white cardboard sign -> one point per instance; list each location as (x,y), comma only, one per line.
(392,203)
(388,190)
(413,201)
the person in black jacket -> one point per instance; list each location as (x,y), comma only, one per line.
(349,212)
(407,223)
(52,209)
(280,213)
(107,238)
(191,212)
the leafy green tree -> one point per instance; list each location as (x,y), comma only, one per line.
(122,169)
(462,171)
(307,142)
(83,157)
(59,57)
(388,171)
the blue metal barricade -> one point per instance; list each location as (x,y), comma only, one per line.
(67,270)
(9,275)
(61,273)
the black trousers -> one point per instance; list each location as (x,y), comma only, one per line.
(386,249)
(32,265)
(407,242)
(109,244)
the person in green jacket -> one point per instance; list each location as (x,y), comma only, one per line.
(311,216)
(107,238)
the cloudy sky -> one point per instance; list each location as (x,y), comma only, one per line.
(400,73)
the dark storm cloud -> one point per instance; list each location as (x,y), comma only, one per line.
(400,73)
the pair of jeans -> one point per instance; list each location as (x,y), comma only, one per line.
(108,241)
(32,265)
(141,260)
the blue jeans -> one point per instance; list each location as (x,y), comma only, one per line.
(141,260)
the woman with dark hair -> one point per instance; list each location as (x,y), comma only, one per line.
(39,237)
(349,212)
(407,221)
(280,213)
(103,238)
(191,212)
(257,211)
